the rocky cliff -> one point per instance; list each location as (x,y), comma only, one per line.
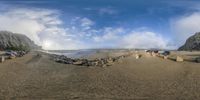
(192,43)
(13,41)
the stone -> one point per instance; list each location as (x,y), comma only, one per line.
(165,57)
(153,54)
(109,60)
(95,63)
(89,63)
(148,53)
(101,62)
(121,57)
(198,60)
(60,60)
(179,59)
(103,65)
(2,59)
(68,61)
(137,56)
(78,62)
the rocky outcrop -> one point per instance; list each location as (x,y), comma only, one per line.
(101,62)
(192,43)
(13,41)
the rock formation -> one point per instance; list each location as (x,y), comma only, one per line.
(101,62)
(13,41)
(192,43)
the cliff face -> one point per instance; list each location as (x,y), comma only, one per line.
(192,43)
(13,41)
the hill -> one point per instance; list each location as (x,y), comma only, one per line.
(192,43)
(14,41)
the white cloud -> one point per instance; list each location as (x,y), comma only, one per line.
(103,10)
(109,34)
(185,26)
(107,10)
(86,22)
(144,40)
(19,24)
(136,38)
(43,26)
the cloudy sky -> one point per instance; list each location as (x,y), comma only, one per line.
(83,24)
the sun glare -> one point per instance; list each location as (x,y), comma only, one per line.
(46,44)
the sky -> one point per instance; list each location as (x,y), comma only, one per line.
(89,24)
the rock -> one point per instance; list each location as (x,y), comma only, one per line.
(165,57)
(115,59)
(68,61)
(109,61)
(198,59)
(121,57)
(12,56)
(103,62)
(137,56)
(153,54)
(192,43)
(60,60)
(13,41)
(2,59)
(179,59)
(103,65)
(92,63)
(78,62)
(95,63)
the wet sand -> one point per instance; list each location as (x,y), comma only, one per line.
(35,77)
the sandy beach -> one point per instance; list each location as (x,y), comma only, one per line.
(35,77)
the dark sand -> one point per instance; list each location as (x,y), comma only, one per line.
(149,78)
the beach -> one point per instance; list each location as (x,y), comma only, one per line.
(36,77)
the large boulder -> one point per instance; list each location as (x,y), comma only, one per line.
(13,41)
(192,43)
(2,59)
(179,59)
(198,59)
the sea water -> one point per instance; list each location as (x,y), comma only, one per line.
(72,53)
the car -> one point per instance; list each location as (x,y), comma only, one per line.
(165,53)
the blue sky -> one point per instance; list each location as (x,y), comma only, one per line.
(79,24)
